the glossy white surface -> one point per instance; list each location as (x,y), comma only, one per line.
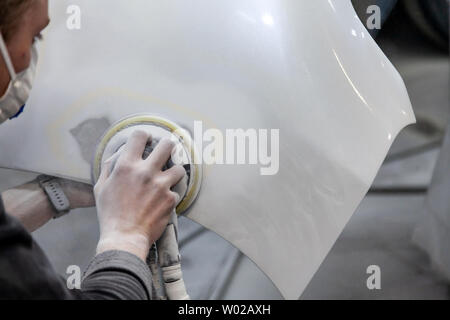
(308,68)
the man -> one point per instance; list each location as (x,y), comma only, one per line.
(134,198)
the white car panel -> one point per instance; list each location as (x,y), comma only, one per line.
(307,68)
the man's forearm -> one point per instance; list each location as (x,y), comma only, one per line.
(117,275)
(29,204)
(110,275)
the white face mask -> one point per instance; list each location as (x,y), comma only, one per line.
(15,97)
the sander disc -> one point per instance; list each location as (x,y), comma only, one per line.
(184,153)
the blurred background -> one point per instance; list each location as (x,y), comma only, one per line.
(414,36)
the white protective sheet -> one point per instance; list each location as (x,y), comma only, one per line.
(307,68)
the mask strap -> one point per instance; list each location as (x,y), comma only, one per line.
(6,58)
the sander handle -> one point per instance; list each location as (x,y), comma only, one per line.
(169,260)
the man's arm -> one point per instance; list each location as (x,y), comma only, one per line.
(134,203)
(31,206)
(26,273)
(116,275)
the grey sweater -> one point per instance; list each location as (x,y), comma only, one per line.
(26,273)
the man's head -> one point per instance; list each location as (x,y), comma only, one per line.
(21,22)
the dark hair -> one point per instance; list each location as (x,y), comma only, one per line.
(10,14)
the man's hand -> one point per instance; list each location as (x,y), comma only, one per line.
(134,199)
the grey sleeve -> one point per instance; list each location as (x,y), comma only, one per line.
(117,275)
(26,273)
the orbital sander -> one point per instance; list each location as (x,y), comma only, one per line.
(184,153)
(164,258)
